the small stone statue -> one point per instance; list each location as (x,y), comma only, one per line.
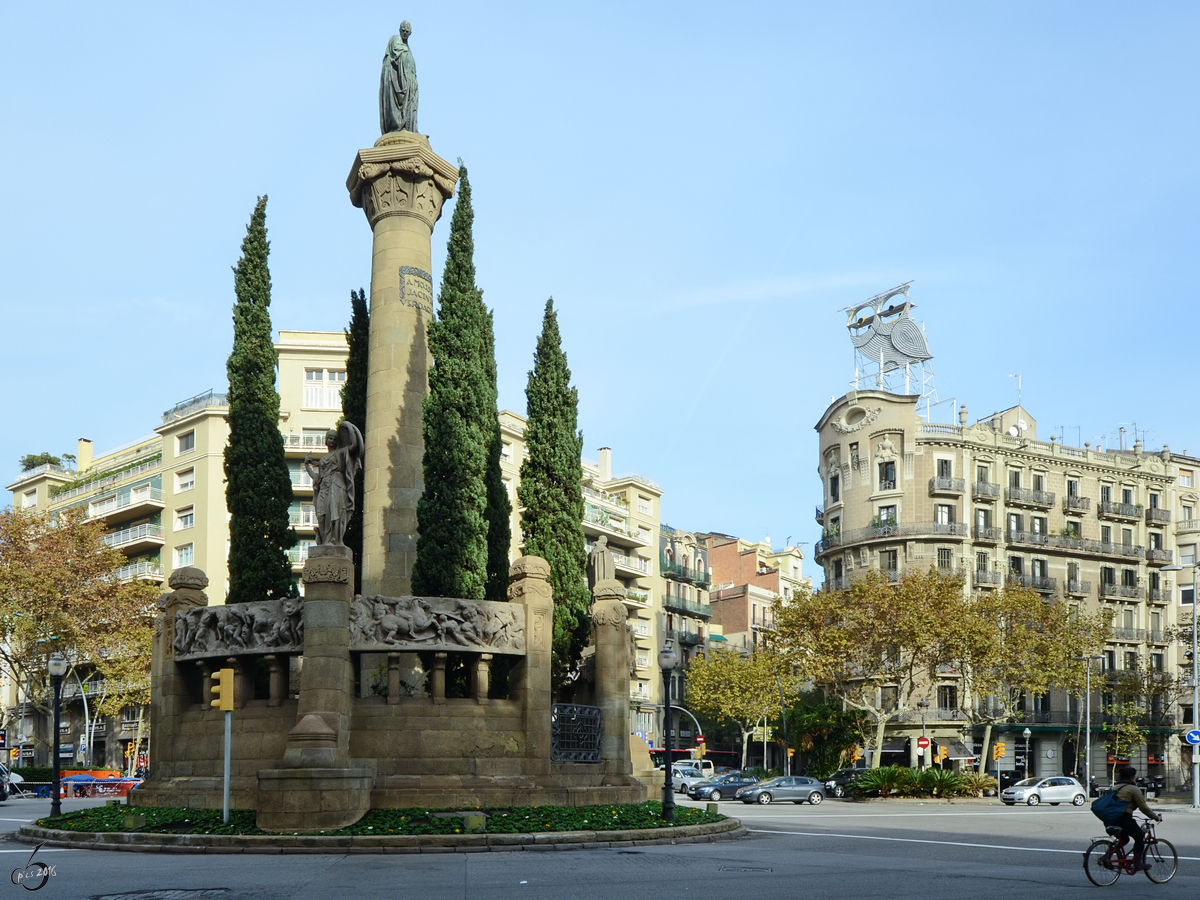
(600,566)
(333,481)
(398,85)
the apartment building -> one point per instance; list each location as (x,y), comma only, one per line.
(747,577)
(161,497)
(1088,526)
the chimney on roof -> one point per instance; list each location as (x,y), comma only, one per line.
(606,464)
(83,455)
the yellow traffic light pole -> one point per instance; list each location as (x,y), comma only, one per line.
(224,702)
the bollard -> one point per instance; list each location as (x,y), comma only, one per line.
(711,807)
(135,822)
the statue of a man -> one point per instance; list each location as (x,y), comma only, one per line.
(600,563)
(333,481)
(398,85)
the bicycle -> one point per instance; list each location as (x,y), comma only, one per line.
(1106,859)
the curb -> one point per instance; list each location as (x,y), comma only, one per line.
(137,842)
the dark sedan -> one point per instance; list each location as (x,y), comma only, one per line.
(790,789)
(721,786)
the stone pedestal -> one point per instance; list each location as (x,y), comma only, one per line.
(401,185)
(610,635)
(315,788)
(529,583)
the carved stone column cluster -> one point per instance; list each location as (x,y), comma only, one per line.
(610,634)
(529,583)
(400,184)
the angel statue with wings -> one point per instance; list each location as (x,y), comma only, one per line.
(333,481)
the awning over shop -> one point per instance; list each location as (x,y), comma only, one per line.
(955,749)
(895,745)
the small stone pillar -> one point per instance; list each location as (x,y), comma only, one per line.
(315,789)
(393,678)
(610,635)
(529,584)
(279,683)
(437,679)
(169,694)
(481,673)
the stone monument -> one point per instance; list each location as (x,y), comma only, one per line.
(400,184)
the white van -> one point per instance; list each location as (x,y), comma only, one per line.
(686,773)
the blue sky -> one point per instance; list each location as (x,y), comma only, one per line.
(700,187)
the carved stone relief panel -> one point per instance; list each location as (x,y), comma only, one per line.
(270,626)
(441,624)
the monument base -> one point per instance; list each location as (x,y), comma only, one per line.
(312,799)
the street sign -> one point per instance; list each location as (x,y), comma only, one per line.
(923,742)
(1192,737)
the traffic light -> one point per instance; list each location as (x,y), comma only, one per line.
(223,689)
(942,754)
(858,754)
(998,750)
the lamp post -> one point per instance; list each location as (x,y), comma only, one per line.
(1087,727)
(667,660)
(57,666)
(1026,734)
(923,705)
(1195,684)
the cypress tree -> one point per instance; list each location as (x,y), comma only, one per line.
(258,487)
(452,545)
(499,509)
(551,492)
(354,409)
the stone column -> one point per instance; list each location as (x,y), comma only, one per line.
(530,584)
(401,185)
(611,634)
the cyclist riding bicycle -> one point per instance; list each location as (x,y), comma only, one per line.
(1126,789)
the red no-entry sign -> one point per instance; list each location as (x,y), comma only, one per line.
(923,742)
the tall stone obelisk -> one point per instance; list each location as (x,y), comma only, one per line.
(400,184)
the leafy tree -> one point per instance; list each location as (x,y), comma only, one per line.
(59,592)
(45,458)
(1017,644)
(742,690)
(875,646)
(459,417)
(354,410)
(499,508)
(258,486)
(552,494)
(1123,733)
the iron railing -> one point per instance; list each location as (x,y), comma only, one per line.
(1130,549)
(1156,555)
(574,733)
(1028,537)
(680,572)
(985,490)
(820,515)
(945,484)
(989,578)
(129,535)
(1156,515)
(1042,585)
(1077,504)
(1109,589)
(988,533)
(1119,510)
(1128,634)
(1025,497)
(688,607)
(1075,586)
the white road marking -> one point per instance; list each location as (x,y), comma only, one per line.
(871,837)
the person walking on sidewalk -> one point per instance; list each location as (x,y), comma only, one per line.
(1126,789)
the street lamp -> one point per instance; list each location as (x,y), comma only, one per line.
(667,660)
(1026,734)
(923,705)
(57,666)
(1087,728)
(1195,688)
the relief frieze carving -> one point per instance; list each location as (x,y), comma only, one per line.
(442,624)
(269,626)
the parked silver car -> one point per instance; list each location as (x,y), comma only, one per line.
(788,789)
(1052,789)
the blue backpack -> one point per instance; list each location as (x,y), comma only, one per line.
(1108,808)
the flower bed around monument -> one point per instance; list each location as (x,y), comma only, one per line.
(516,820)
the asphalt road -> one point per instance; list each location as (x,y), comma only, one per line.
(837,849)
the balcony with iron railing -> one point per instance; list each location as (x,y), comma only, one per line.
(1068,541)
(1127,634)
(985,490)
(987,533)
(821,515)
(103,482)
(1130,549)
(679,572)
(305,518)
(1156,595)
(636,563)
(193,405)
(1036,538)
(1156,515)
(1156,637)
(1110,589)
(634,595)
(1026,497)
(139,501)
(606,497)
(1107,509)
(987,579)
(685,638)
(687,607)
(837,584)
(890,529)
(623,531)
(1037,583)
(1077,587)
(943,484)
(148,569)
(1077,504)
(1158,555)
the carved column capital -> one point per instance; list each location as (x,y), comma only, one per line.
(401,176)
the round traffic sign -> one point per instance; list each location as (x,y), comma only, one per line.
(1192,737)
(922,742)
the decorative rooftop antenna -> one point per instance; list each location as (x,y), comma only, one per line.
(891,349)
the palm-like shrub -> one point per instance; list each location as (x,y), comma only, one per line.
(886,781)
(976,784)
(939,782)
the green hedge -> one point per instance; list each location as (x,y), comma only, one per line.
(35,773)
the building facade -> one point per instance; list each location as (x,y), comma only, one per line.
(992,502)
